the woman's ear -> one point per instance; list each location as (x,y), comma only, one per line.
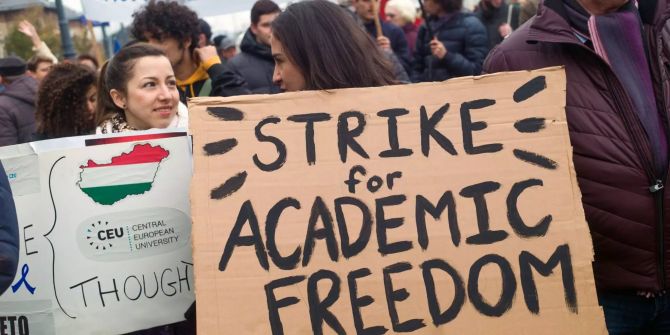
(118,98)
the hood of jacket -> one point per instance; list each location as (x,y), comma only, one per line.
(251,45)
(23,89)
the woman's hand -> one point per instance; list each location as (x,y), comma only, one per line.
(384,43)
(437,48)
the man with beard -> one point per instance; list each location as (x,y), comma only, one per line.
(255,63)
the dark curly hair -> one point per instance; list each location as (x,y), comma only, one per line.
(165,19)
(61,101)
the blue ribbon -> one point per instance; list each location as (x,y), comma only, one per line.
(24,273)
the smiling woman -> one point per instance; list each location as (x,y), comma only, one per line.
(138,91)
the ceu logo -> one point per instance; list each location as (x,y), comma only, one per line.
(101,237)
(11,176)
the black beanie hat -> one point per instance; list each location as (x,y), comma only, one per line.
(12,66)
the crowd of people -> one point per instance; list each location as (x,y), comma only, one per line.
(615,53)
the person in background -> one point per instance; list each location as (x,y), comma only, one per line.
(175,29)
(39,47)
(66,102)
(393,39)
(9,234)
(615,55)
(39,66)
(528,9)
(205,36)
(17,102)
(458,47)
(137,90)
(303,62)
(225,47)
(499,17)
(254,63)
(402,13)
(88,60)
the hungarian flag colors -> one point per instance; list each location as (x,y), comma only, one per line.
(130,173)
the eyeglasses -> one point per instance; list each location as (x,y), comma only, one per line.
(390,15)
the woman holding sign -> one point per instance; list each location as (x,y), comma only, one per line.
(316,45)
(138,91)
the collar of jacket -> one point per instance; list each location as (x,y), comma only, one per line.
(551,24)
(252,46)
(199,74)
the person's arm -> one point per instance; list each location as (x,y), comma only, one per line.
(420,52)
(8,128)
(496,61)
(400,48)
(39,47)
(225,83)
(9,234)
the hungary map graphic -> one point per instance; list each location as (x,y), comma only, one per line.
(131,173)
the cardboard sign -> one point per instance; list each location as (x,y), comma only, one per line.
(104,227)
(430,208)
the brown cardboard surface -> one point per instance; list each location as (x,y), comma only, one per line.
(234,299)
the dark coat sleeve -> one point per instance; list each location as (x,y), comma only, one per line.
(469,63)
(225,83)
(421,50)
(9,234)
(399,46)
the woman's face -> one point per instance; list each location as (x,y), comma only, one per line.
(286,75)
(152,98)
(91,100)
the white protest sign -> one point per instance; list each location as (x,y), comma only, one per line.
(104,227)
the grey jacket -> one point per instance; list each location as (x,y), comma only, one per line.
(17,111)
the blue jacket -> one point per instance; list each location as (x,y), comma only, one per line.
(397,38)
(9,234)
(467,44)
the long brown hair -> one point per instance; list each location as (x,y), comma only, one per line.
(115,75)
(61,101)
(330,48)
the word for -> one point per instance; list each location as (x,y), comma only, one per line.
(14,325)
(169,282)
(350,246)
(441,310)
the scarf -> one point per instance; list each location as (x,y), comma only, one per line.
(617,38)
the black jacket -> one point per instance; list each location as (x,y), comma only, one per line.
(493,18)
(397,38)
(224,83)
(17,111)
(464,37)
(9,234)
(255,64)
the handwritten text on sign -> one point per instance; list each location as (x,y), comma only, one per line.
(403,209)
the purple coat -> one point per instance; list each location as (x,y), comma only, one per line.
(629,224)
